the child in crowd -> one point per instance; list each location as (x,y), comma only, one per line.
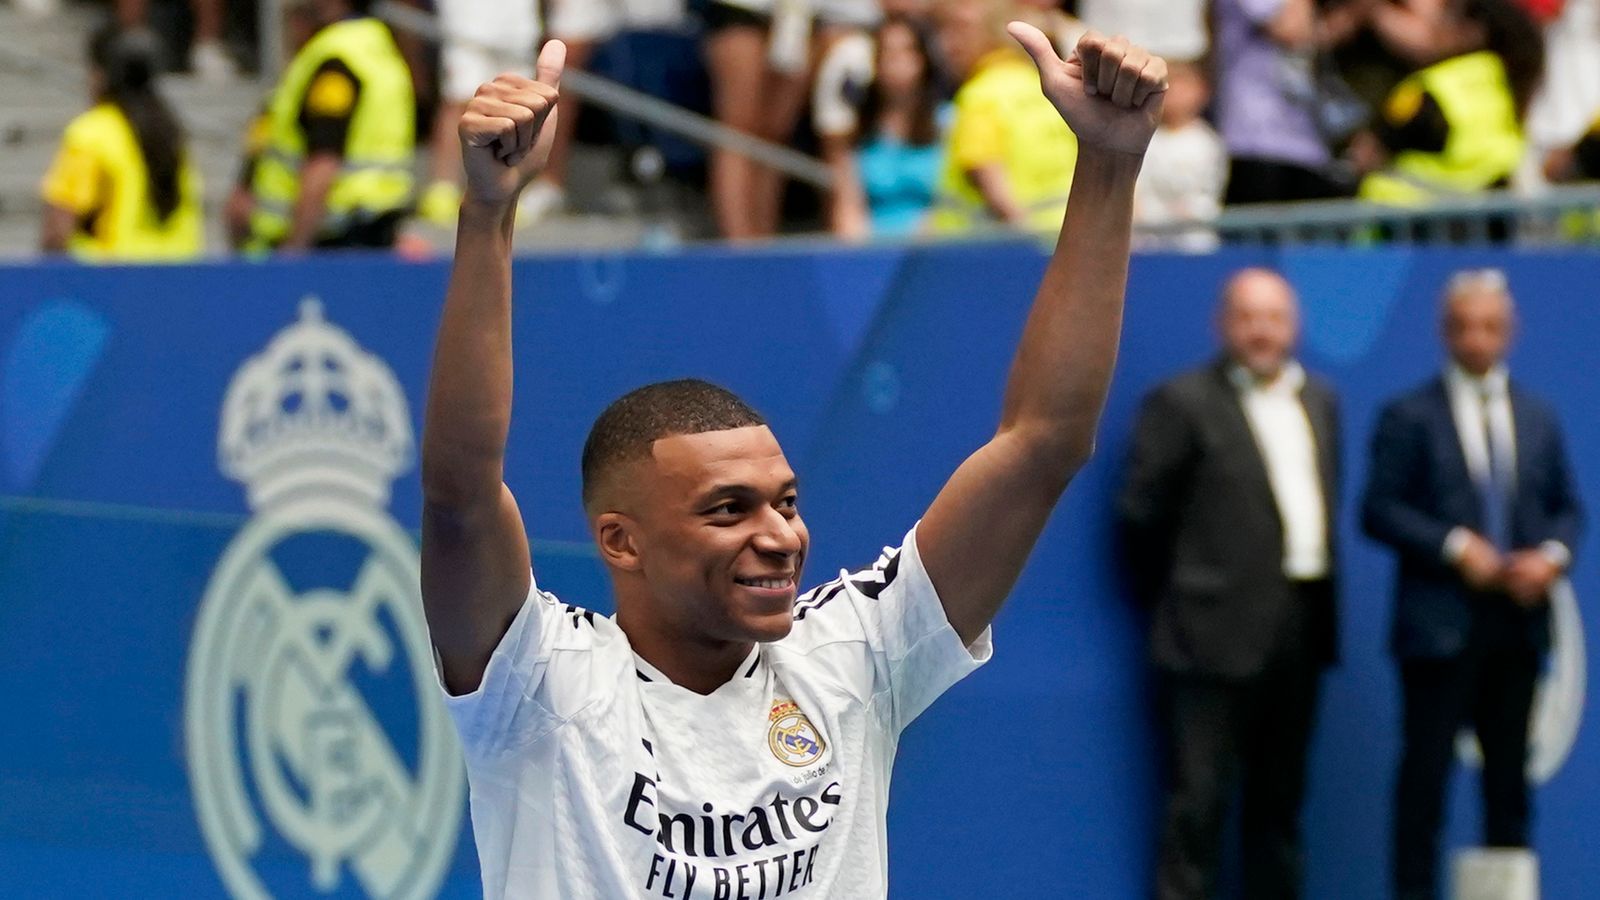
(1186,170)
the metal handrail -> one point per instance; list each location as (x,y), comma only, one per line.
(1466,218)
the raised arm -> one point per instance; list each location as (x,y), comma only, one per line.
(475,565)
(979,531)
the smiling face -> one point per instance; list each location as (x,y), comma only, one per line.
(712,541)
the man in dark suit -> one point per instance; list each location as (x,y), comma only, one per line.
(1470,485)
(1228,531)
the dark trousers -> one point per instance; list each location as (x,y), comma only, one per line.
(367,234)
(1247,735)
(1490,686)
(1266,181)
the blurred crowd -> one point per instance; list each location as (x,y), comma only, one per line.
(928,117)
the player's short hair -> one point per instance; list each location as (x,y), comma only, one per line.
(639,418)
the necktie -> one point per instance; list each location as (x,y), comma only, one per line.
(1496,486)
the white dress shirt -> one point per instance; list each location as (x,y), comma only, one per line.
(1470,397)
(1283,433)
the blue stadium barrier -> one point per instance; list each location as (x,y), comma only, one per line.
(144,755)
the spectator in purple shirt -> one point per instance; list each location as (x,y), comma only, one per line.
(1266,94)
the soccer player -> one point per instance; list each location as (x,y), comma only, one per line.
(724,735)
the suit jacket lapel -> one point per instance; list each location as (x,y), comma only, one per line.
(1447,420)
(1230,407)
(1522,436)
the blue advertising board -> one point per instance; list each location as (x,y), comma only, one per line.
(214,671)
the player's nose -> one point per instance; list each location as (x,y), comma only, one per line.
(778,535)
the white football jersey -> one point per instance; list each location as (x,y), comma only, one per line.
(593,776)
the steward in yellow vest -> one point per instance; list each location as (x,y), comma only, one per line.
(336,168)
(1452,128)
(121,188)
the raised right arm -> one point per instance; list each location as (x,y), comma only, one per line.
(475,561)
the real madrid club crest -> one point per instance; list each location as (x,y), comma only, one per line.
(318,747)
(792,737)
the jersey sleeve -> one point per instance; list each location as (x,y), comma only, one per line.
(510,708)
(73,182)
(890,618)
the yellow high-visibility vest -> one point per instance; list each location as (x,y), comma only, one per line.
(101,165)
(1485,142)
(1002,117)
(376,175)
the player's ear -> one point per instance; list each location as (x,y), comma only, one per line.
(616,535)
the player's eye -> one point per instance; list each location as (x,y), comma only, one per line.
(726,508)
(791,502)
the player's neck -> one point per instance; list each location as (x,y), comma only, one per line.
(699,665)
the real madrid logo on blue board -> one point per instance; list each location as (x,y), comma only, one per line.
(319,751)
(792,737)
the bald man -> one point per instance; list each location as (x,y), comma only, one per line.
(1470,486)
(1228,530)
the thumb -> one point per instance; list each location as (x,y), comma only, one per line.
(552,60)
(1036,43)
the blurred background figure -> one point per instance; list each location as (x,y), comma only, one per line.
(1578,162)
(1185,171)
(584,25)
(37,8)
(1567,106)
(1063,29)
(208,58)
(1009,158)
(300,24)
(1174,29)
(121,187)
(759,53)
(1270,83)
(887,170)
(843,83)
(1454,126)
(1228,519)
(336,171)
(1471,487)
(481,39)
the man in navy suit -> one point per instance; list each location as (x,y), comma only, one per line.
(1470,485)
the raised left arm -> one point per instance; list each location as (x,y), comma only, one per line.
(979,531)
